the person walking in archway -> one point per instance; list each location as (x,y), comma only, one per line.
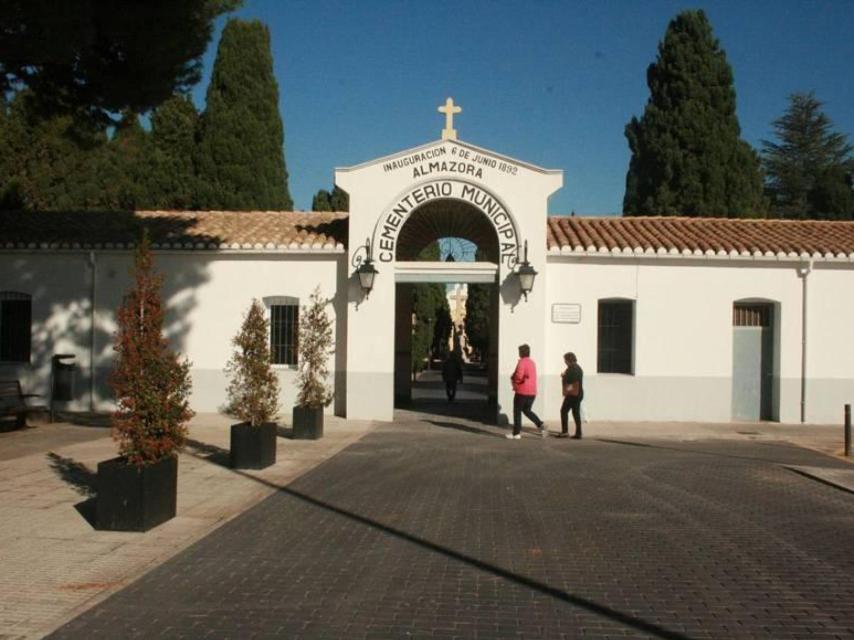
(572,381)
(524,381)
(452,373)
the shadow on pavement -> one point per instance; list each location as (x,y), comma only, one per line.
(464,427)
(210,452)
(530,583)
(84,418)
(11,424)
(285,432)
(74,473)
(84,481)
(716,454)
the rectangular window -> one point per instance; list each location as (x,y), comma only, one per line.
(284,333)
(15,326)
(616,336)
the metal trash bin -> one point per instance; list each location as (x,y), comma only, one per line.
(62,379)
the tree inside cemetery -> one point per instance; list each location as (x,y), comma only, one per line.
(477,320)
(809,167)
(52,162)
(431,316)
(338,200)
(687,154)
(240,157)
(172,179)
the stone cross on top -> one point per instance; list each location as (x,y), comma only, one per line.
(449,133)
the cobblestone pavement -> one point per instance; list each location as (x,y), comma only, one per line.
(440,529)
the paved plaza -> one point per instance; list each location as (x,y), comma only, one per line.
(436,526)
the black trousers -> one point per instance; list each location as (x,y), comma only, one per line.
(451,389)
(571,403)
(522,404)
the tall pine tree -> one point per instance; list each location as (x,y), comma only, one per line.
(687,156)
(241,162)
(95,58)
(809,170)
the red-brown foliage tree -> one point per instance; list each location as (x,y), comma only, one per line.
(152,386)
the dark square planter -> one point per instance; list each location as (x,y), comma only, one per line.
(253,447)
(308,423)
(132,498)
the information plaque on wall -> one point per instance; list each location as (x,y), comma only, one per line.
(566,313)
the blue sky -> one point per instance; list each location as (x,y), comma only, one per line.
(549,82)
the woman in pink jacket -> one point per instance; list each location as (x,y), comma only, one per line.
(524,380)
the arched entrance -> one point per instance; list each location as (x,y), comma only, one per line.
(422,268)
(398,204)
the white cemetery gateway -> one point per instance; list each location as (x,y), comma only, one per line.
(671,318)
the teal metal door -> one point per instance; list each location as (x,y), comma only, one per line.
(752,363)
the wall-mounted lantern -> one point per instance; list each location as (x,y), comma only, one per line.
(366,270)
(526,274)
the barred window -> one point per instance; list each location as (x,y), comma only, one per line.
(751,315)
(15,326)
(284,333)
(616,336)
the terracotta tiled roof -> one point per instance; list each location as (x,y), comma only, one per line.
(719,237)
(232,230)
(315,231)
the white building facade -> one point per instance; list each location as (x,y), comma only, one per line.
(671,318)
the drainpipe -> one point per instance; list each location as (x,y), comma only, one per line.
(92,335)
(803,272)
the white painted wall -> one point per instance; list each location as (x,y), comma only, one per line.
(206,296)
(683,336)
(830,343)
(683,340)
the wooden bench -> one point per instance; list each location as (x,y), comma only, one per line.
(13,402)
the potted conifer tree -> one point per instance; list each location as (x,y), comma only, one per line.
(138,489)
(253,393)
(315,347)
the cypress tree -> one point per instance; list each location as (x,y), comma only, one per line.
(478,317)
(321,201)
(172,179)
(338,200)
(432,322)
(241,162)
(687,156)
(128,152)
(810,169)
